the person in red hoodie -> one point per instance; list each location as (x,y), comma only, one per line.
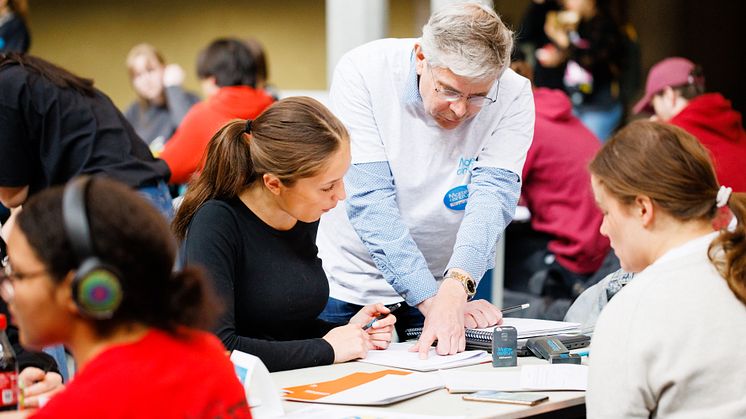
(561,250)
(90,266)
(675,93)
(228,73)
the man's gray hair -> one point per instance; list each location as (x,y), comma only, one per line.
(469,39)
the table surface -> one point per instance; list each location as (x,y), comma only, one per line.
(436,403)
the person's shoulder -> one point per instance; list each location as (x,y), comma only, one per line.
(513,83)
(216,209)
(12,77)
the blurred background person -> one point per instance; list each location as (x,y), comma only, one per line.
(14,33)
(587,41)
(228,75)
(262,67)
(55,125)
(675,93)
(161,101)
(552,258)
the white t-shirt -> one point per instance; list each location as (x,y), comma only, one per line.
(671,343)
(374,94)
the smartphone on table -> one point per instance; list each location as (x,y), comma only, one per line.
(528,399)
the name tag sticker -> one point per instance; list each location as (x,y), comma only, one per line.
(456,198)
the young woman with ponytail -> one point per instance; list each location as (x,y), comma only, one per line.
(250,219)
(669,343)
(132,331)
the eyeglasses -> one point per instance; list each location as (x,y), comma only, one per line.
(8,277)
(450,95)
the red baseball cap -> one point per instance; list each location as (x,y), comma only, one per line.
(673,72)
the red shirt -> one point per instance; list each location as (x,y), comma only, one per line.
(557,185)
(159,376)
(719,128)
(184,151)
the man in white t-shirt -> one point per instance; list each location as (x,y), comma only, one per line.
(440,127)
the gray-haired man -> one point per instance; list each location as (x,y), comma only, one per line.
(440,128)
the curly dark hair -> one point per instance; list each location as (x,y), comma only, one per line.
(128,233)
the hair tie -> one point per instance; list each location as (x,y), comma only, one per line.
(247,128)
(723,195)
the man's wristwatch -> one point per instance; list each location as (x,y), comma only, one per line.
(470,285)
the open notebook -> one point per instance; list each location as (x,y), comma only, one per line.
(526,328)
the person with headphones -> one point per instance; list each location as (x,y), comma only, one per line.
(90,266)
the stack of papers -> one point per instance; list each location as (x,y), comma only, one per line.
(531,328)
(363,388)
(398,356)
(546,377)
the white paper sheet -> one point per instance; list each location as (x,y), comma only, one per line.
(559,377)
(339,412)
(398,356)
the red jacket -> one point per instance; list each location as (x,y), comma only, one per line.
(159,376)
(185,150)
(719,128)
(557,185)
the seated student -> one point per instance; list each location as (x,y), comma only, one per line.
(251,219)
(55,125)
(227,71)
(665,345)
(91,267)
(161,101)
(675,93)
(550,260)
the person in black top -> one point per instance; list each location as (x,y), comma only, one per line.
(55,125)
(251,218)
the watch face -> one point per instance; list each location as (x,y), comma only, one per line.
(471,286)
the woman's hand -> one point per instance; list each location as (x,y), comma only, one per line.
(38,386)
(348,342)
(381,331)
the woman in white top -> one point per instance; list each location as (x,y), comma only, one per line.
(671,342)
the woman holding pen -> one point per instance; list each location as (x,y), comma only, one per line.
(250,220)
(668,344)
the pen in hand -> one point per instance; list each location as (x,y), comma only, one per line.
(511,309)
(382,316)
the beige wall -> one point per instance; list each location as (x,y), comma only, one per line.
(92,38)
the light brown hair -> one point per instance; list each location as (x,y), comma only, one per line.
(292,139)
(143,49)
(671,167)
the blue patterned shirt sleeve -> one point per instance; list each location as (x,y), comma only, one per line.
(373,212)
(493,196)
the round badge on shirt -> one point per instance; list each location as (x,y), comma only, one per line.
(455,199)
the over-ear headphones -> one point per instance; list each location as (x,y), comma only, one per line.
(96,288)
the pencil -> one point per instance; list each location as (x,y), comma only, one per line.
(519,307)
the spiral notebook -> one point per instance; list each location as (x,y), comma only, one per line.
(526,328)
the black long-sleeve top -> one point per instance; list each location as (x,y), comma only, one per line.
(271,283)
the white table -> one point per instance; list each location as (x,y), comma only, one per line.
(437,403)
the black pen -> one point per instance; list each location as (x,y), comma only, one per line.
(382,316)
(507,310)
